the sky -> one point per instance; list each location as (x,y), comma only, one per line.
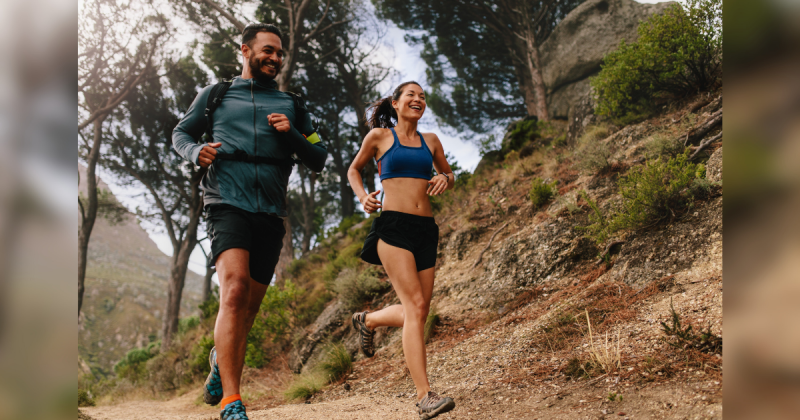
(402,57)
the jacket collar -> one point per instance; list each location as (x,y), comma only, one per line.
(268,84)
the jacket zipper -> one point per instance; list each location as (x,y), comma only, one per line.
(255,140)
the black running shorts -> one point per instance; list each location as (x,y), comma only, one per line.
(418,234)
(260,234)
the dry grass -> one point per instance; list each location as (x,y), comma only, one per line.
(604,355)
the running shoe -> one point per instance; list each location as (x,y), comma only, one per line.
(432,405)
(233,411)
(212,389)
(367,335)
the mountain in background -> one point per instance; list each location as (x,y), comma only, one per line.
(126,290)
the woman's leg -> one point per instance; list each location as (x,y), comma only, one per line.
(402,269)
(392,316)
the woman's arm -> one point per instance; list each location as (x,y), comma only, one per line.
(368,148)
(438,184)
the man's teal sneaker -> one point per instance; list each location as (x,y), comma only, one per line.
(233,411)
(212,389)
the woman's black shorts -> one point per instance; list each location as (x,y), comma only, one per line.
(260,234)
(418,234)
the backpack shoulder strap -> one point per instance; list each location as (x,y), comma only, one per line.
(300,109)
(214,100)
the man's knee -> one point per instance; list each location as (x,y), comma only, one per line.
(236,291)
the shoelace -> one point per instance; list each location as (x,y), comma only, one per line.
(234,411)
(430,398)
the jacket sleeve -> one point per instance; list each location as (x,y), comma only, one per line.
(314,155)
(191,128)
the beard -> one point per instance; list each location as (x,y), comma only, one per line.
(258,74)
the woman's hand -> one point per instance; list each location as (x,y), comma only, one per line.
(370,203)
(437,184)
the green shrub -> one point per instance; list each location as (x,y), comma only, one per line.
(85,399)
(348,257)
(677,53)
(541,192)
(662,145)
(133,365)
(355,289)
(296,266)
(305,386)
(337,362)
(199,355)
(521,132)
(592,154)
(210,308)
(430,323)
(187,324)
(657,191)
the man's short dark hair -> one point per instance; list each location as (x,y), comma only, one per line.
(250,31)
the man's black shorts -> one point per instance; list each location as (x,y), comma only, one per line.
(259,233)
(418,234)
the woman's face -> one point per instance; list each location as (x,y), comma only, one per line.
(411,104)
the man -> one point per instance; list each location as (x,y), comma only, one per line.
(255,131)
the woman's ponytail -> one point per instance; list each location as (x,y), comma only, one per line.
(382,111)
(382,114)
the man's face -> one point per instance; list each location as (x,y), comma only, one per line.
(266,56)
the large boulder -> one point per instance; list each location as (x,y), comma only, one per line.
(575,49)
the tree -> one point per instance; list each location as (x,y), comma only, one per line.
(115,56)
(482,56)
(140,153)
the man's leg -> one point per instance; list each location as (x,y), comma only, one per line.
(234,319)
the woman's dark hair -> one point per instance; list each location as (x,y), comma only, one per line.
(382,111)
(250,31)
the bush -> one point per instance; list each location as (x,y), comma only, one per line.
(199,355)
(187,324)
(133,365)
(337,362)
(85,399)
(355,289)
(652,193)
(521,133)
(430,323)
(305,386)
(592,154)
(677,53)
(662,145)
(541,192)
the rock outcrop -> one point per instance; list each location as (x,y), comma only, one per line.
(575,49)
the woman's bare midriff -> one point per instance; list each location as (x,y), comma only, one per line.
(407,195)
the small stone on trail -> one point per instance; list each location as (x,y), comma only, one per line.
(346,386)
(620,413)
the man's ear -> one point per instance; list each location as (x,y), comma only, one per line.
(245,50)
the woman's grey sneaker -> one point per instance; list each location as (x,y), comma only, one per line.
(432,405)
(212,389)
(233,411)
(367,335)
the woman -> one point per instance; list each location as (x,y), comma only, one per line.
(405,237)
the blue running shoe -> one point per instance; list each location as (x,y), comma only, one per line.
(212,389)
(233,411)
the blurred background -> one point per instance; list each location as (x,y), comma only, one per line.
(39,182)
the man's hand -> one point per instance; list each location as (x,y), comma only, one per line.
(207,154)
(370,203)
(280,122)
(437,184)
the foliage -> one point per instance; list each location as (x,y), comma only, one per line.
(209,308)
(133,365)
(472,67)
(356,288)
(85,399)
(107,206)
(430,324)
(199,355)
(677,53)
(592,153)
(656,191)
(187,324)
(662,145)
(305,386)
(541,192)
(339,260)
(337,362)
(685,338)
(521,133)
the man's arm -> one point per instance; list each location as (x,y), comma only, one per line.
(314,155)
(191,128)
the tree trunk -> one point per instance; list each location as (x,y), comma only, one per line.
(287,252)
(534,66)
(207,284)
(89,214)
(179,266)
(309,206)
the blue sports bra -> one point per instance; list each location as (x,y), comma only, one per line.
(406,162)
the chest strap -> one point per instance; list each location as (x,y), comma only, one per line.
(241,156)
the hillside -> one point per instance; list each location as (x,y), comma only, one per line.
(126,289)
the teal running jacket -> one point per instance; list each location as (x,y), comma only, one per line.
(240,123)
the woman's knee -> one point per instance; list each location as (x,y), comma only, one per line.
(417,309)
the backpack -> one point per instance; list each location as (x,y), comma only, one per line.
(213,102)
